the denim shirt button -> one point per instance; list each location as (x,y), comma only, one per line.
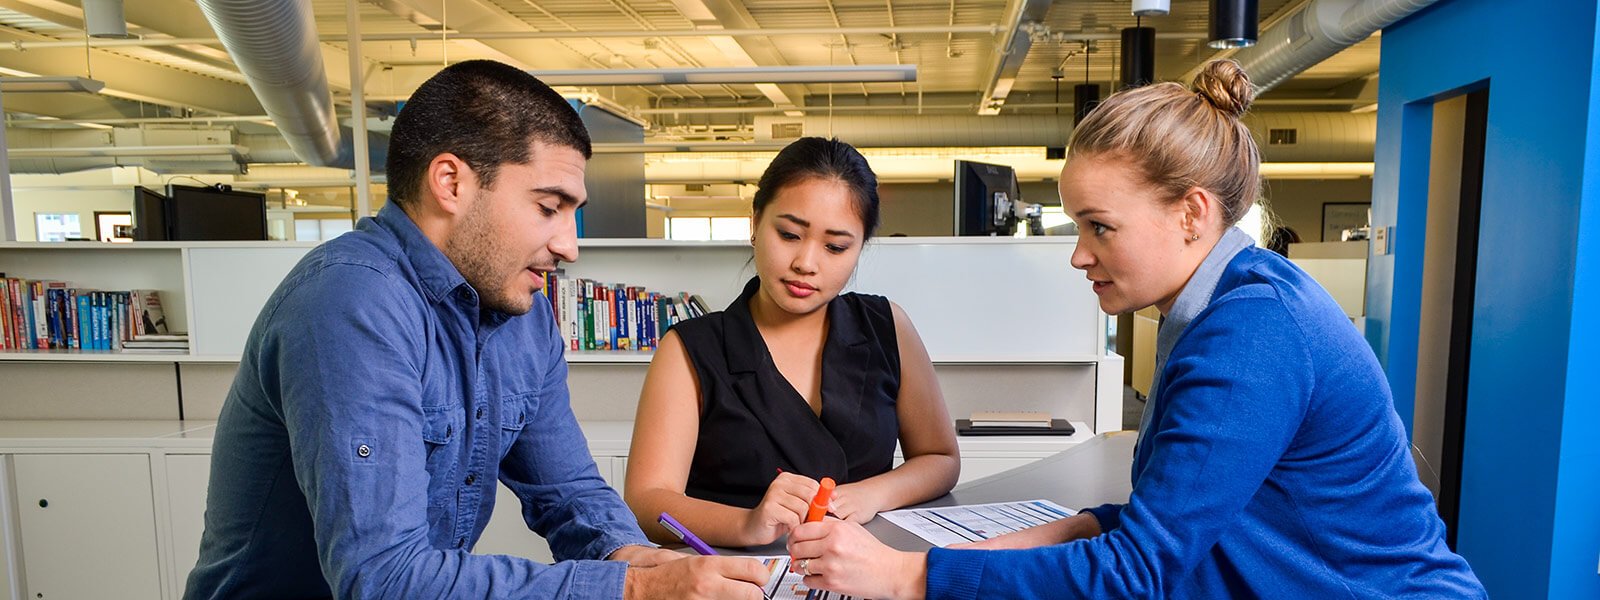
(472,477)
(363,451)
(480,413)
(460,542)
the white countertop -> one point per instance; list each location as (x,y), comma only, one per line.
(606,438)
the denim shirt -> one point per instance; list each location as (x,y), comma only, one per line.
(375,406)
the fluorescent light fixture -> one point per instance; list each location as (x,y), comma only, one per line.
(237,152)
(1316,170)
(13,85)
(727,75)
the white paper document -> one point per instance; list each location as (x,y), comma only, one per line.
(783,585)
(948,525)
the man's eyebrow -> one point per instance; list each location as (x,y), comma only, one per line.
(565,196)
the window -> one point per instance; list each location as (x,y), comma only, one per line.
(314,230)
(56,227)
(708,228)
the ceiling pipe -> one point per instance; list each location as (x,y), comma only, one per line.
(274,43)
(1312,34)
(157,42)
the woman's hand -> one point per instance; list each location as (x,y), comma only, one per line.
(781,509)
(855,503)
(841,557)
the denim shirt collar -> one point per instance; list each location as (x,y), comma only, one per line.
(1196,295)
(439,276)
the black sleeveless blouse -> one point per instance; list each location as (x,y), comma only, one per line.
(753,422)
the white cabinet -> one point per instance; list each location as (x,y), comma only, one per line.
(88,526)
(508,533)
(973,469)
(187,475)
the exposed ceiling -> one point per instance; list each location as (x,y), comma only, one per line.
(167,79)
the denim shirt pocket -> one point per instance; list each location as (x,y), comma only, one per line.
(514,412)
(441,433)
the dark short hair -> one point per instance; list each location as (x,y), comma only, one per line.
(822,158)
(483,111)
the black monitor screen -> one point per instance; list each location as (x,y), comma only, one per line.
(203,213)
(149,215)
(977,187)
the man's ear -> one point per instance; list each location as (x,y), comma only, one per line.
(449,181)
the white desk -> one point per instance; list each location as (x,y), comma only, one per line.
(129,497)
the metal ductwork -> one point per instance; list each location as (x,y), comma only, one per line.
(176,150)
(274,43)
(1314,136)
(886,131)
(1317,31)
(1283,137)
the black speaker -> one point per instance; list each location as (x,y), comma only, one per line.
(1084,98)
(1138,56)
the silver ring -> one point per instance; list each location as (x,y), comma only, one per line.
(805,564)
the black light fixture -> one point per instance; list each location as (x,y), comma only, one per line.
(1233,23)
(1138,56)
(1084,95)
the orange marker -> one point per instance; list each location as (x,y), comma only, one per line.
(819,504)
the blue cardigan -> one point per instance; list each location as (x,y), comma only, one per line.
(1274,466)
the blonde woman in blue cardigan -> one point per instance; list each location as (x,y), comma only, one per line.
(1271,462)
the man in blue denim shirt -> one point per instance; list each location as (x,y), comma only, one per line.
(401,369)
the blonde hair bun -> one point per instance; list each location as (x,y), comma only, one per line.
(1226,87)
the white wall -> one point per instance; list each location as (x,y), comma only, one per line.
(1297,203)
(84,203)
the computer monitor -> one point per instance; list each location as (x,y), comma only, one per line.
(149,215)
(215,213)
(983,198)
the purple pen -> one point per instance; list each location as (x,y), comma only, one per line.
(684,534)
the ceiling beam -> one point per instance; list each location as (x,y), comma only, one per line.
(1013,51)
(131,78)
(480,15)
(741,52)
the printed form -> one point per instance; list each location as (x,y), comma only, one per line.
(948,525)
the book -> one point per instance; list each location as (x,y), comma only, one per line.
(152,319)
(1010,419)
(1057,427)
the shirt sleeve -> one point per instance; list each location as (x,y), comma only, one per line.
(1109,516)
(348,369)
(550,470)
(1241,383)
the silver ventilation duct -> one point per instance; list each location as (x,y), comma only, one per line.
(1317,31)
(274,43)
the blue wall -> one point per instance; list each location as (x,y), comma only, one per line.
(1530,507)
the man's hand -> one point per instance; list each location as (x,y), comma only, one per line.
(644,556)
(698,578)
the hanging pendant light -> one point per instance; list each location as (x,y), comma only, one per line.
(1233,23)
(1084,95)
(1138,56)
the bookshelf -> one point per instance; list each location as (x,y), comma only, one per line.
(985,307)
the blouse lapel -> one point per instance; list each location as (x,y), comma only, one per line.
(808,446)
(845,357)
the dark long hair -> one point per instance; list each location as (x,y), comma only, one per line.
(823,158)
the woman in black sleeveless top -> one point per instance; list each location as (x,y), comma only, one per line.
(745,410)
